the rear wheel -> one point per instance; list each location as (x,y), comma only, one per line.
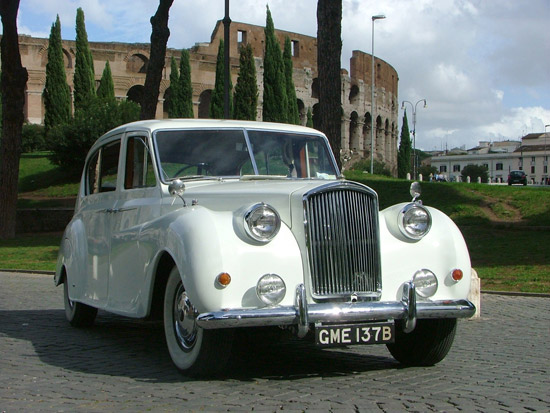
(78,314)
(426,345)
(194,351)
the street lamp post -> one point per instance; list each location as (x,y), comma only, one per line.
(414,129)
(227,68)
(372,102)
(545,160)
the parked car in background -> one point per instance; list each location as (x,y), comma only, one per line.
(213,226)
(517,177)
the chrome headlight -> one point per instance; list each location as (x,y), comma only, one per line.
(262,222)
(271,289)
(425,282)
(414,221)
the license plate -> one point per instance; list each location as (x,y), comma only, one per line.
(343,335)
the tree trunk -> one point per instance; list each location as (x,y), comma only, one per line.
(159,38)
(13,82)
(329,50)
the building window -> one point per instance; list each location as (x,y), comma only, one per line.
(443,168)
(241,38)
(456,168)
(499,166)
(533,169)
(532,159)
(545,169)
(295,48)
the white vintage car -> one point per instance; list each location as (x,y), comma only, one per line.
(218,225)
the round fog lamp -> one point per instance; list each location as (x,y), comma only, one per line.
(271,289)
(425,282)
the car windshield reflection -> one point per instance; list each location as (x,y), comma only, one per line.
(204,154)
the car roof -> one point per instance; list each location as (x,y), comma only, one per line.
(153,125)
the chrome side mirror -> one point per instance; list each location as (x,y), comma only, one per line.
(415,191)
(177,188)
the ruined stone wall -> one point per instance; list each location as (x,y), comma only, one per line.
(128,63)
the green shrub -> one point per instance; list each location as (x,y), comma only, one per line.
(32,139)
(70,143)
(380,168)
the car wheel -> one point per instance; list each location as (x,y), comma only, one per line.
(194,351)
(426,345)
(78,314)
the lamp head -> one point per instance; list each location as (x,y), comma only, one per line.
(378,17)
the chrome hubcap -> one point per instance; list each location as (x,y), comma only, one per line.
(185,325)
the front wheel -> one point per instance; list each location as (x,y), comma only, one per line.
(426,345)
(78,314)
(194,351)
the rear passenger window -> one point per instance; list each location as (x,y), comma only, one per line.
(102,170)
(139,168)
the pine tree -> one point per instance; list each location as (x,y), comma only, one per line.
(57,95)
(246,90)
(329,51)
(174,108)
(185,86)
(275,101)
(404,154)
(84,77)
(217,101)
(106,89)
(293,116)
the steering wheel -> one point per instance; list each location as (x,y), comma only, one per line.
(202,168)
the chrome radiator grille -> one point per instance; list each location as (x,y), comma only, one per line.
(343,241)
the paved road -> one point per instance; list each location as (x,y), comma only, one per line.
(500,362)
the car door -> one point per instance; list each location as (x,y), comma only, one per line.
(138,204)
(96,212)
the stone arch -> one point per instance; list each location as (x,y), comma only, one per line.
(367,125)
(379,143)
(67,59)
(354,95)
(135,94)
(302,111)
(355,141)
(315,117)
(387,141)
(204,104)
(315,88)
(137,63)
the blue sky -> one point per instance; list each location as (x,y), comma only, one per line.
(482,65)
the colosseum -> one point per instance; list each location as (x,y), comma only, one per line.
(128,64)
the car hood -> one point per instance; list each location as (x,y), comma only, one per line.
(236,195)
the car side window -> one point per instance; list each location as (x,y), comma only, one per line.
(139,168)
(102,169)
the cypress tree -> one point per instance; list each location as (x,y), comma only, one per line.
(84,77)
(185,86)
(246,90)
(216,101)
(275,99)
(57,95)
(404,154)
(293,116)
(106,89)
(309,122)
(174,108)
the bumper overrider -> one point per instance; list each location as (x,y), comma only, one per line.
(303,314)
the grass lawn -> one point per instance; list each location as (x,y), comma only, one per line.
(506,228)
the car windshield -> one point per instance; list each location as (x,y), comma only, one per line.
(225,153)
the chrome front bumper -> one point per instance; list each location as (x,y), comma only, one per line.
(303,314)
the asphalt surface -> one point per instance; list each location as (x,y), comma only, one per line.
(500,362)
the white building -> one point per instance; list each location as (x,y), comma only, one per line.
(530,155)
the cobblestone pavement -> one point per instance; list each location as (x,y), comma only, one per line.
(500,362)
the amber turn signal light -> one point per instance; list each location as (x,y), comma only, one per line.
(457,275)
(223,279)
